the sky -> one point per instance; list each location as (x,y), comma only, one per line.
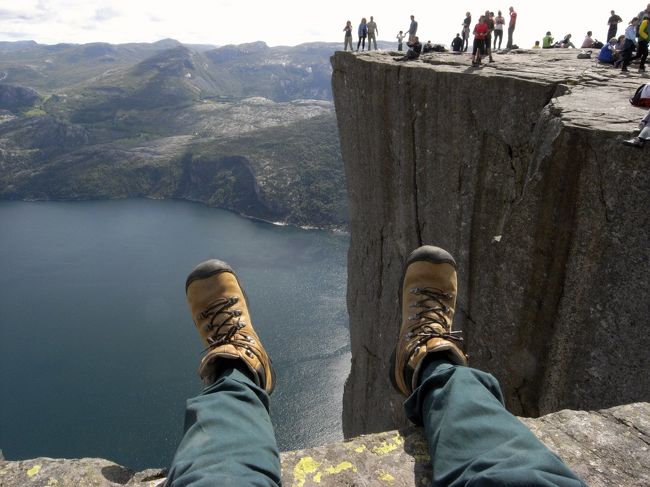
(286,22)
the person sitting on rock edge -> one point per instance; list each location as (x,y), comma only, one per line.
(547,41)
(415,48)
(472,438)
(606,54)
(537,46)
(644,134)
(457,44)
(588,43)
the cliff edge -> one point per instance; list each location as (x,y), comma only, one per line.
(605,448)
(518,170)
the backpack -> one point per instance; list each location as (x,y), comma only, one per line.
(641,97)
(584,55)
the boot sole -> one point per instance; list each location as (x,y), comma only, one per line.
(427,253)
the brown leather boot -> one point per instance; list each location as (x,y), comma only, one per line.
(220,312)
(427,300)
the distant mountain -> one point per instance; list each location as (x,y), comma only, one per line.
(248,128)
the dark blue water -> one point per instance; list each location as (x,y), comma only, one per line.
(98,352)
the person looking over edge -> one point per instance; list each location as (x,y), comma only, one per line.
(413,29)
(499,22)
(362,32)
(467,22)
(480,34)
(472,438)
(547,41)
(372,32)
(457,44)
(613,22)
(511,26)
(348,36)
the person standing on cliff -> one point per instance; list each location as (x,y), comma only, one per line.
(467,22)
(511,26)
(613,22)
(400,39)
(499,22)
(628,44)
(480,35)
(489,19)
(413,29)
(348,36)
(372,33)
(362,32)
(472,438)
(642,46)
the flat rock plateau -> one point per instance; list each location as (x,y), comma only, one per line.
(605,448)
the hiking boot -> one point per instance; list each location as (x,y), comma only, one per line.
(427,301)
(635,142)
(220,312)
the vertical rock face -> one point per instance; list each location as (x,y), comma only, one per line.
(518,170)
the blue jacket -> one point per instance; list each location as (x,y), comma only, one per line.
(363,30)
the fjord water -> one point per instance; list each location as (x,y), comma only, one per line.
(97,350)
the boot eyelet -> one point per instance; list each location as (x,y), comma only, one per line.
(249,353)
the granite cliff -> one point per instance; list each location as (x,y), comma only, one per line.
(518,170)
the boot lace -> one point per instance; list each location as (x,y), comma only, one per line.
(231,324)
(432,312)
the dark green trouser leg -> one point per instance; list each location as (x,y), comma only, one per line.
(473,440)
(229,439)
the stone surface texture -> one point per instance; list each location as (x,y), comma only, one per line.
(518,170)
(606,448)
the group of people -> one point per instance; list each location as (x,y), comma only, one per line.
(488,35)
(365,30)
(619,51)
(489,27)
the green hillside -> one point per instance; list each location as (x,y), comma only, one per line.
(247,128)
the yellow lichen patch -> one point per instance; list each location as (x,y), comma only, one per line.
(361,448)
(341,467)
(317,477)
(388,446)
(306,466)
(34,470)
(51,482)
(385,477)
